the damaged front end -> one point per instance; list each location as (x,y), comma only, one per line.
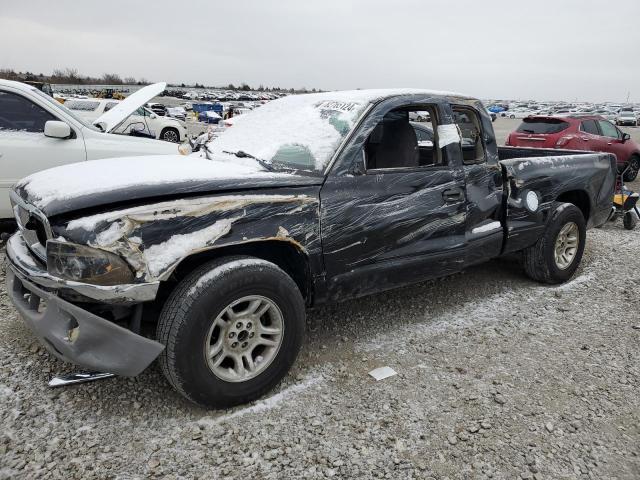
(80,285)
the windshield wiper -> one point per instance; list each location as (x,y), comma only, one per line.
(242,154)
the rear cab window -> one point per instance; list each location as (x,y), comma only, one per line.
(468,123)
(542,126)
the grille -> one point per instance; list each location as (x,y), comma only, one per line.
(33,226)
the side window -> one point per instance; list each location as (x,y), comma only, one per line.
(608,130)
(468,122)
(19,113)
(109,106)
(404,138)
(589,126)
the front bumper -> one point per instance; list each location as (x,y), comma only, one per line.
(71,333)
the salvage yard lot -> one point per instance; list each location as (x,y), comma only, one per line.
(498,377)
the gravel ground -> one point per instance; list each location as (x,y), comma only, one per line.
(498,377)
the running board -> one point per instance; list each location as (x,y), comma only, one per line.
(80,377)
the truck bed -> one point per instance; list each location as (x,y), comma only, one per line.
(508,153)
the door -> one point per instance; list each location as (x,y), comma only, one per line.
(397,214)
(612,141)
(589,137)
(23,147)
(483,180)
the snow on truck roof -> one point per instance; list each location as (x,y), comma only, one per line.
(303,131)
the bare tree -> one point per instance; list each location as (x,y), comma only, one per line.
(111,79)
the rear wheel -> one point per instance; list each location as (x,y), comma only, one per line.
(232,329)
(555,257)
(629,220)
(633,168)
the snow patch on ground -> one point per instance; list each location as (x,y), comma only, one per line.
(268,403)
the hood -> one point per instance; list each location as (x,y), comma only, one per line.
(126,107)
(109,181)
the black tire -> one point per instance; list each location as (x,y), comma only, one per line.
(632,173)
(629,220)
(170,135)
(539,259)
(190,310)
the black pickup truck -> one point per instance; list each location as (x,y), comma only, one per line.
(306,200)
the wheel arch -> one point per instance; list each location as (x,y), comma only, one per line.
(287,255)
(580,199)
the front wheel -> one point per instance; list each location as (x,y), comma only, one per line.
(633,168)
(170,135)
(555,257)
(232,329)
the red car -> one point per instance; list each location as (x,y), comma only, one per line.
(579,133)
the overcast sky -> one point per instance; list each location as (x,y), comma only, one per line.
(556,50)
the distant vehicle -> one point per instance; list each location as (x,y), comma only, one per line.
(37,132)
(142,121)
(424,134)
(157,108)
(627,117)
(42,86)
(209,116)
(517,113)
(592,133)
(177,112)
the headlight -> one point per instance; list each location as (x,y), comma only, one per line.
(85,264)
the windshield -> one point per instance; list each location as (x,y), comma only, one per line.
(60,106)
(296,132)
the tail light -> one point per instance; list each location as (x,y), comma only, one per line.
(562,141)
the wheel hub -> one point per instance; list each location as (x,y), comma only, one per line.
(244,338)
(566,246)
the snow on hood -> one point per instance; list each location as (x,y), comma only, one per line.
(126,107)
(101,176)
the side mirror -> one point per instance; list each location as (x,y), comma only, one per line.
(625,137)
(152,116)
(57,129)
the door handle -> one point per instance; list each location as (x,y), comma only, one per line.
(609,143)
(453,195)
(585,139)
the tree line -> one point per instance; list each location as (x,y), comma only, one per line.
(71,76)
